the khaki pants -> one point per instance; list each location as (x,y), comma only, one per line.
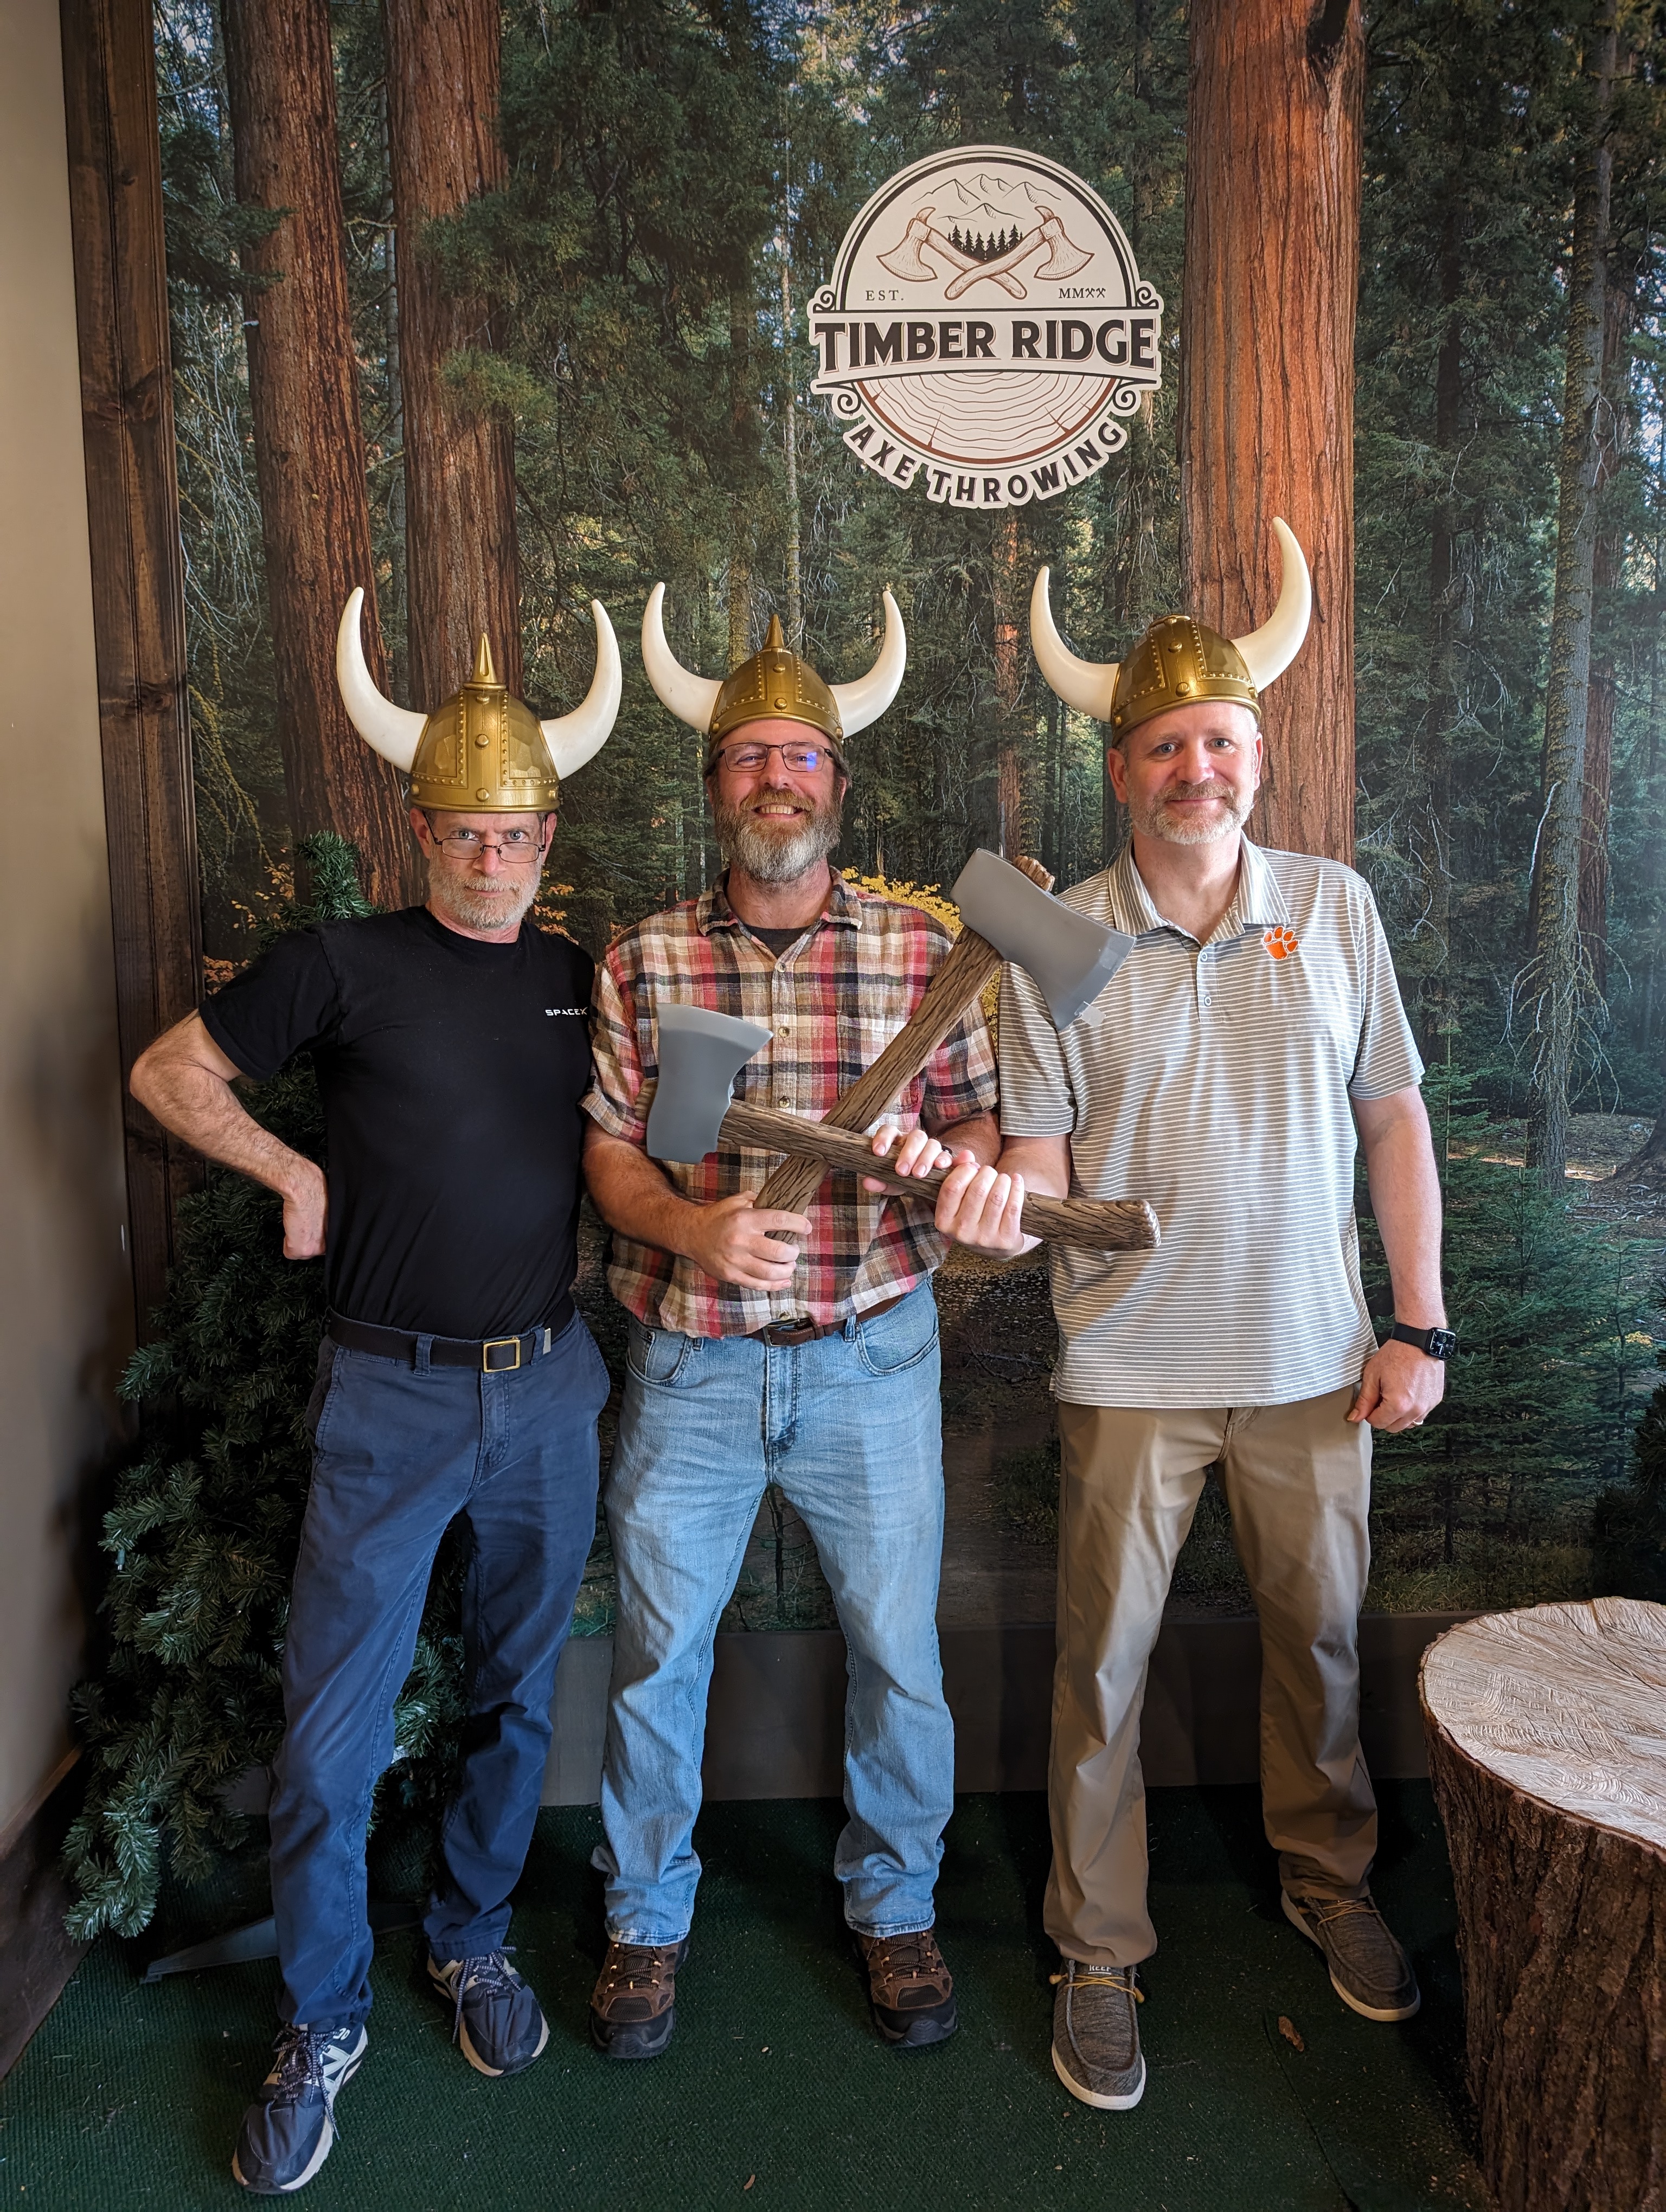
(1298,1480)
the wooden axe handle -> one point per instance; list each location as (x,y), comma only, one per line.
(1112,1224)
(954,989)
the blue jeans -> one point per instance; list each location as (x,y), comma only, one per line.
(398,1452)
(849,1427)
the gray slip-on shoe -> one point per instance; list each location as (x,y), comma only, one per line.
(1369,1969)
(1096,2035)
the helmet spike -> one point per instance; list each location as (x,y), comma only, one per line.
(483,671)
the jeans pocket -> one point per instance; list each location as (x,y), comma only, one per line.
(900,1338)
(661,1356)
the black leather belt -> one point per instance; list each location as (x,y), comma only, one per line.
(490,1355)
(783,1334)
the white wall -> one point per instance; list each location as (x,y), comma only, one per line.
(65,1292)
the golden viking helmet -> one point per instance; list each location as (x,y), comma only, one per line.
(1179,660)
(482,751)
(775,685)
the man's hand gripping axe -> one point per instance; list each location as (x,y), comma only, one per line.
(1007,915)
(701,1052)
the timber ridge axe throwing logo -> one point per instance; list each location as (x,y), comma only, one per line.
(986,331)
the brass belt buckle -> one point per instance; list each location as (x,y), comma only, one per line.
(496,1343)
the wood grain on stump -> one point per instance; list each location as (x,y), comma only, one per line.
(1546,1733)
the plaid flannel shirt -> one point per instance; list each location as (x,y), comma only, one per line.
(833,1001)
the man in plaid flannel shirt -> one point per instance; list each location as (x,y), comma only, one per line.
(752,1361)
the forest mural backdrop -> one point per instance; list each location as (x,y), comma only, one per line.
(495,368)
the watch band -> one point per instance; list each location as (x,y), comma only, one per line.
(1438,1343)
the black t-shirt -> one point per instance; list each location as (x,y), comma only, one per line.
(451,1073)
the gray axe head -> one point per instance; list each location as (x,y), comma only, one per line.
(701,1053)
(1071,956)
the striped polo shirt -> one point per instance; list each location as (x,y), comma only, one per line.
(1213,1080)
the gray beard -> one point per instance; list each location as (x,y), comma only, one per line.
(1155,822)
(458,899)
(768,856)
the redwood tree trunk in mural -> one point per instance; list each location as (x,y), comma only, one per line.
(444,66)
(308,439)
(1274,132)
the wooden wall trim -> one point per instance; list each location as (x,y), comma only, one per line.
(138,586)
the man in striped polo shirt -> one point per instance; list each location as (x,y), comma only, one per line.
(1252,1036)
(811,1363)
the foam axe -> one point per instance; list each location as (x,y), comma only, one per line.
(701,1053)
(1007,916)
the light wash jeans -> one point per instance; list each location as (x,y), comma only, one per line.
(850,1428)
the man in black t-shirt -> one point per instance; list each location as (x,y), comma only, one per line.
(452,1046)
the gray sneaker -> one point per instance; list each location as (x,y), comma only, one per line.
(1369,1969)
(1096,2035)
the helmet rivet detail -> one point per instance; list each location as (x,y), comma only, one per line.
(483,741)
(1183,685)
(482,794)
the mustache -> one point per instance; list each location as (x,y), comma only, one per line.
(775,795)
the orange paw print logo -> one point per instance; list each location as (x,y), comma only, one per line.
(1280,942)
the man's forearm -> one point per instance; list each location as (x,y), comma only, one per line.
(979,1134)
(193,1103)
(1405,1192)
(635,1196)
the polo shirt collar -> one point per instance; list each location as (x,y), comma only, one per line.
(1256,904)
(712,909)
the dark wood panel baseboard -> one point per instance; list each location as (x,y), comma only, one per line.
(37,1952)
(775,1718)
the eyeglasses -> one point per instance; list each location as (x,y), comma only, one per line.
(803,759)
(514,847)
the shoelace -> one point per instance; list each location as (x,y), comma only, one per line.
(906,1958)
(1119,1977)
(300,2061)
(1330,1909)
(490,1973)
(648,1973)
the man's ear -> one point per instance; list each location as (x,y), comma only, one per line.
(1117,768)
(421,829)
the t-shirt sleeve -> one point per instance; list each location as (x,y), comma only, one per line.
(1035,1096)
(616,1088)
(285,1002)
(1387,1058)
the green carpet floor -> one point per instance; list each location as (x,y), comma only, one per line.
(1264,2091)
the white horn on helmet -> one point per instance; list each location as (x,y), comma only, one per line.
(864,701)
(576,737)
(691,698)
(392,731)
(1269,651)
(1084,684)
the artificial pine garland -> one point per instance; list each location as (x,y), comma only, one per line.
(205,1528)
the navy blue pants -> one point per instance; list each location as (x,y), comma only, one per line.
(398,1452)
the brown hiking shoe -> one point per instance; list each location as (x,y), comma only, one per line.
(1369,1969)
(633,2007)
(910,1988)
(1096,2036)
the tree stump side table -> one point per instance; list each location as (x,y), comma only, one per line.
(1547,1733)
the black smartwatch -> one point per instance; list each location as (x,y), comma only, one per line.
(1438,1343)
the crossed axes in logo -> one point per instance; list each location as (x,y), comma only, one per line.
(907,256)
